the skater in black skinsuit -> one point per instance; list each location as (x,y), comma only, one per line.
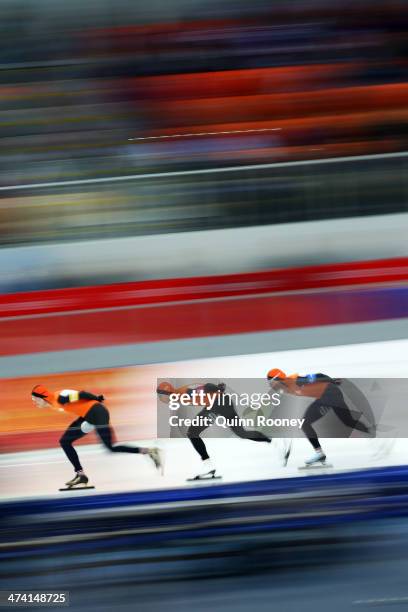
(223,406)
(328,396)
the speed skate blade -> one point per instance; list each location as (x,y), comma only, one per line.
(205,479)
(316,466)
(76,488)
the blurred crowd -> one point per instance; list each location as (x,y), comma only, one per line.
(107,89)
(217,200)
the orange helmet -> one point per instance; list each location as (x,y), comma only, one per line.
(275,373)
(164,390)
(41,391)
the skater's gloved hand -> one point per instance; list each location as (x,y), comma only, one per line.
(100,398)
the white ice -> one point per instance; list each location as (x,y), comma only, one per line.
(42,473)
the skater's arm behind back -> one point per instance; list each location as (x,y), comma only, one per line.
(71,395)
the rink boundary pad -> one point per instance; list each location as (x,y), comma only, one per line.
(375,477)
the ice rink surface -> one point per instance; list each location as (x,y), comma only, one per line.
(42,473)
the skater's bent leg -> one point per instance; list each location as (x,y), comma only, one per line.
(255,436)
(345,416)
(228,411)
(71,454)
(98,415)
(200,447)
(315,443)
(72,434)
(193,433)
(105,434)
(312,414)
(334,398)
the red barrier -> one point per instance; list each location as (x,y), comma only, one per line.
(153,311)
(204,287)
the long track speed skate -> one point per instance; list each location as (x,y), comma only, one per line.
(211,475)
(316,466)
(79,482)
